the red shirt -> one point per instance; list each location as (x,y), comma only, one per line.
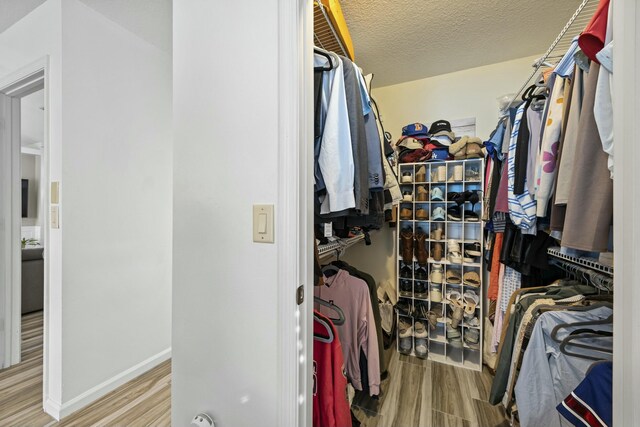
(330,403)
(591,41)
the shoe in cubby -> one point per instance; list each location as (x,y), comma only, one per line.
(422,194)
(406,245)
(421,290)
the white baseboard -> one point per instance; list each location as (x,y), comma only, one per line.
(59,411)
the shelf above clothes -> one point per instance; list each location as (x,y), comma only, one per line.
(330,30)
(590,263)
(338,247)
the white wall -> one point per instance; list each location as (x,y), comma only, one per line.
(225,306)
(116,184)
(459,95)
(110,299)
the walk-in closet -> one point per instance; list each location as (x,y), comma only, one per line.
(463,213)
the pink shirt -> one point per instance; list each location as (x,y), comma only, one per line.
(358,332)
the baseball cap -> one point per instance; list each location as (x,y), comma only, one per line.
(441,140)
(440,154)
(415,129)
(440,125)
(438,214)
(410,143)
(436,194)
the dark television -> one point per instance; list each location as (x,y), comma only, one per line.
(25,198)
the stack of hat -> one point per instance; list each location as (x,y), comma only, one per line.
(411,146)
(440,139)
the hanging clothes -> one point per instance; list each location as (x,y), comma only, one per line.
(335,158)
(603,103)
(358,137)
(330,403)
(358,331)
(590,207)
(522,207)
(547,374)
(546,169)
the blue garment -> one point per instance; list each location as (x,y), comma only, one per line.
(567,63)
(522,207)
(547,375)
(592,401)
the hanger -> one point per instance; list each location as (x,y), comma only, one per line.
(569,341)
(321,338)
(557,328)
(340,320)
(324,54)
(330,270)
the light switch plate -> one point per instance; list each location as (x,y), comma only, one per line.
(263,223)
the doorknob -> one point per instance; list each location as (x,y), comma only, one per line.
(202,420)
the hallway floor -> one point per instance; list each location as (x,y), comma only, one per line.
(144,401)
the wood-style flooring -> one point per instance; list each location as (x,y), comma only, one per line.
(421,393)
(144,401)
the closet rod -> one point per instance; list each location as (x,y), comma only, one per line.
(564,32)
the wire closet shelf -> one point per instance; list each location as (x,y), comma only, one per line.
(324,34)
(560,45)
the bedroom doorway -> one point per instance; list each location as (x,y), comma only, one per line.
(24,216)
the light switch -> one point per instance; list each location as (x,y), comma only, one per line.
(263,223)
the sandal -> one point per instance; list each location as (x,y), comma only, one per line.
(471,278)
(471,301)
(453,277)
(421,174)
(454,252)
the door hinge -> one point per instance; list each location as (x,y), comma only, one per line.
(300,294)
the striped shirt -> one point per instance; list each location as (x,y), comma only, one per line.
(522,207)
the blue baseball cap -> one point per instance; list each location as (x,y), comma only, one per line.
(440,154)
(415,129)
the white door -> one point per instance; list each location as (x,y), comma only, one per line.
(240,347)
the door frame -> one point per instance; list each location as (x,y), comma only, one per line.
(16,85)
(626,196)
(294,221)
(295,187)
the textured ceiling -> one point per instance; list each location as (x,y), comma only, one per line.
(148,19)
(404,40)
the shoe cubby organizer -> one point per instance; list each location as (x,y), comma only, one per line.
(439,260)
